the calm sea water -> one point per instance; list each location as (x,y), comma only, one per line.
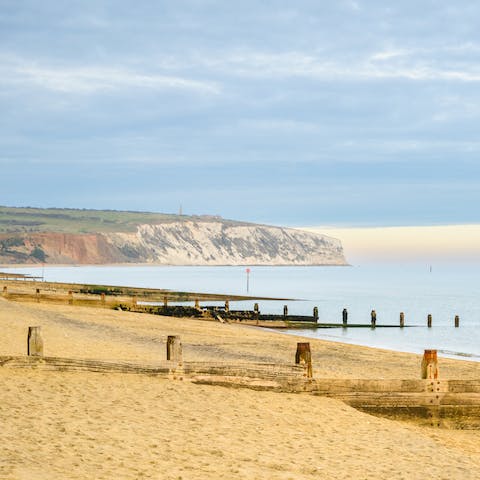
(444,292)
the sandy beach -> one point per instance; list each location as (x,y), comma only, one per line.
(80,425)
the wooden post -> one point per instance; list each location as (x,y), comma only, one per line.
(34,342)
(165,301)
(134,300)
(256,309)
(429,321)
(285,310)
(315,313)
(402,319)
(5,290)
(37,295)
(174,348)
(345,317)
(457,321)
(227,306)
(70,297)
(197,304)
(430,365)
(102,299)
(374,318)
(303,356)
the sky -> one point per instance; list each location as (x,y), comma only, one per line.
(342,112)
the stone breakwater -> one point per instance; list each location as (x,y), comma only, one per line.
(189,242)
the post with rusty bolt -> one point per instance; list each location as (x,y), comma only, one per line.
(315,313)
(402,319)
(345,317)
(373,318)
(429,321)
(457,321)
(430,365)
(37,295)
(174,348)
(227,306)
(70,297)
(303,356)
(34,342)
(285,310)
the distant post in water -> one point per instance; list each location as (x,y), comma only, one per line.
(174,348)
(402,319)
(430,365)
(457,321)
(373,318)
(34,342)
(227,306)
(303,356)
(429,321)
(315,313)
(345,317)
(285,310)
(256,309)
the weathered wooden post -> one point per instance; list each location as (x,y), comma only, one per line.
(345,317)
(174,348)
(285,310)
(102,298)
(34,342)
(373,318)
(430,365)
(429,321)
(457,321)
(227,306)
(315,313)
(70,297)
(197,304)
(402,319)
(5,290)
(37,295)
(256,309)
(165,301)
(303,356)
(134,300)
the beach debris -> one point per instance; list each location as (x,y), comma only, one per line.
(430,365)
(34,342)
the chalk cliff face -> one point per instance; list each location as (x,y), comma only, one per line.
(180,243)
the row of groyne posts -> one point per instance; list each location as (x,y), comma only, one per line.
(303,354)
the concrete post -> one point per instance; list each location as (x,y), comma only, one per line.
(430,365)
(34,342)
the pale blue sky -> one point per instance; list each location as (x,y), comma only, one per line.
(297,113)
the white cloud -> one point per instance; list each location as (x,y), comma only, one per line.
(89,80)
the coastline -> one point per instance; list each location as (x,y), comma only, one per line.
(145,425)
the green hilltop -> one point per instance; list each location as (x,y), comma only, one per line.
(65,220)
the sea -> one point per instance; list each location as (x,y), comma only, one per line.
(441,290)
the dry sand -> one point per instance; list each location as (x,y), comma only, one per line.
(71,425)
